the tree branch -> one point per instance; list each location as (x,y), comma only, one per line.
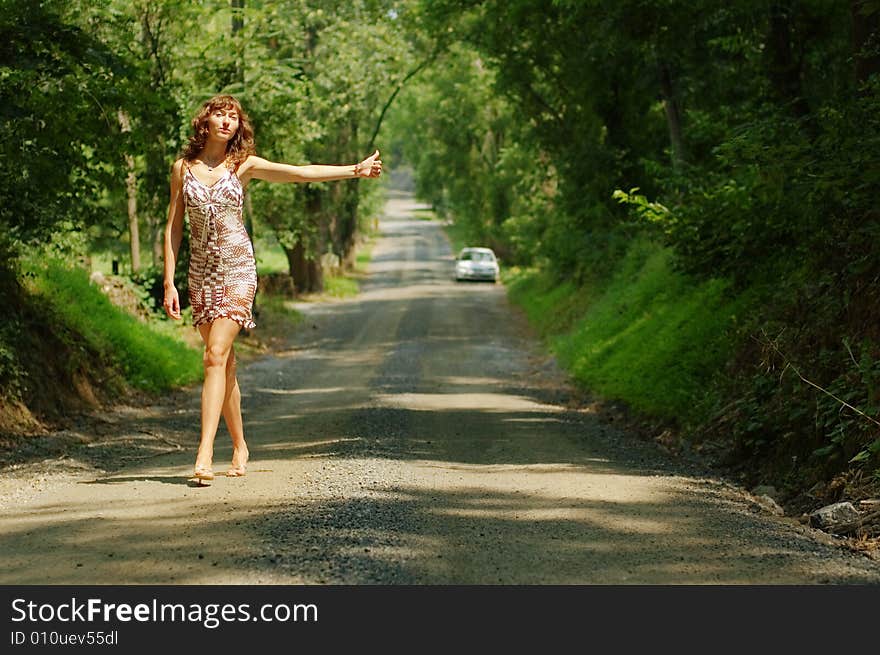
(415,71)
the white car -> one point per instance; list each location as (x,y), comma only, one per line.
(476,264)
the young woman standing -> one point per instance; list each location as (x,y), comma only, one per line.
(208,183)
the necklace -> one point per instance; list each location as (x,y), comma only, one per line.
(211,168)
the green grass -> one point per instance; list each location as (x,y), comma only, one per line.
(424,214)
(151,355)
(347,285)
(103,261)
(340,286)
(270,257)
(650,337)
(364,256)
(280,306)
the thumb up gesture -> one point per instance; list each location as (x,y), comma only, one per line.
(369,167)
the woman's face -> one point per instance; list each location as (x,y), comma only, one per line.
(222,123)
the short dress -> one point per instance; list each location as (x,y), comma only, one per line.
(222,268)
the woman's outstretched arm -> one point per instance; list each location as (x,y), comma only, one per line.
(261,169)
(173,237)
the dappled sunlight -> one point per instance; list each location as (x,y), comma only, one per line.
(364,357)
(605,344)
(460,380)
(567,524)
(364,471)
(553,484)
(301,392)
(439,536)
(532,420)
(301,445)
(490,469)
(272,423)
(487,402)
(420,291)
(631,526)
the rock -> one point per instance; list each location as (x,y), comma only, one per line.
(767,503)
(766,490)
(831,515)
(331,263)
(667,441)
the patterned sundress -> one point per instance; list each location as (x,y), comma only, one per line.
(222,268)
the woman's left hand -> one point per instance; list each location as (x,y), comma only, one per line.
(369,167)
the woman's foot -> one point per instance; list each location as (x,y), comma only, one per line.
(203,469)
(239,463)
(202,472)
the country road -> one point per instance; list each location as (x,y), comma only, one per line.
(412,435)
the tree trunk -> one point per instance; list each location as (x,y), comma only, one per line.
(133,230)
(345,226)
(131,191)
(673,116)
(316,275)
(296,264)
(237,25)
(308,277)
(784,71)
(158,247)
(864,26)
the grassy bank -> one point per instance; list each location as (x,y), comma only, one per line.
(649,336)
(152,355)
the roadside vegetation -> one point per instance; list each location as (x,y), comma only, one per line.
(683,193)
(108,90)
(649,336)
(683,196)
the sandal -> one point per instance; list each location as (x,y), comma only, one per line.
(237,470)
(203,473)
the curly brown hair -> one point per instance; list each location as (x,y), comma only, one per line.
(239,146)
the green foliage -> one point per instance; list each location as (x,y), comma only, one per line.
(150,355)
(652,212)
(11,372)
(649,336)
(94,92)
(806,421)
(317,76)
(58,83)
(340,286)
(747,136)
(270,255)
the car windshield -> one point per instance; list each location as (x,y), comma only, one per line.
(477,256)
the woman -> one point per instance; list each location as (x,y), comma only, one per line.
(208,182)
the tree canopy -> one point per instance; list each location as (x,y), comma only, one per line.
(741,136)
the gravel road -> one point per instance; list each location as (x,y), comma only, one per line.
(413,435)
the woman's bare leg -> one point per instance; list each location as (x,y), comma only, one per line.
(232,416)
(218,337)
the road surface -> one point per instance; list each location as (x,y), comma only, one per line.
(413,435)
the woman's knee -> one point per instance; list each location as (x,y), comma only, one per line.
(216,355)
